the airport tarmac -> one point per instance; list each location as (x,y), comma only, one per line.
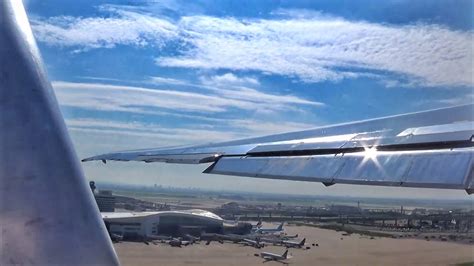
(333,249)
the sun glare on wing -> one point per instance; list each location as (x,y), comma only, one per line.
(370,153)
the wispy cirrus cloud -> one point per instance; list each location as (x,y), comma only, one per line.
(169,81)
(255,127)
(466,99)
(322,49)
(106,97)
(170,135)
(311,48)
(241,88)
(175,135)
(124,28)
(229,79)
(183,105)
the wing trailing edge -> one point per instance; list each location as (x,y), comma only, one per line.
(429,149)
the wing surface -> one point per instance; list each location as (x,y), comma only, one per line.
(431,149)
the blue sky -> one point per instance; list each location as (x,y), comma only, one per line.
(141,74)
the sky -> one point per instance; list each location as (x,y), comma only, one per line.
(144,74)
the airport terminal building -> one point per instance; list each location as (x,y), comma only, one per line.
(174,223)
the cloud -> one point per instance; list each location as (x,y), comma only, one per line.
(229,79)
(231,86)
(170,135)
(175,135)
(259,127)
(311,48)
(466,99)
(106,97)
(322,49)
(124,28)
(170,81)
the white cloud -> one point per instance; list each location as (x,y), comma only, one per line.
(170,81)
(259,127)
(105,97)
(126,28)
(229,79)
(466,99)
(136,99)
(170,135)
(309,48)
(175,135)
(101,79)
(234,87)
(317,49)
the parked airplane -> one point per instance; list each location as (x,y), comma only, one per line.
(116,237)
(192,239)
(267,256)
(294,244)
(253,243)
(158,237)
(178,242)
(270,230)
(289,236)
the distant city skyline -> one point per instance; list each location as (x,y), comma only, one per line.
(164,73)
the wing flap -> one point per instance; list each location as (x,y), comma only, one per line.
(433,169)
(382,140)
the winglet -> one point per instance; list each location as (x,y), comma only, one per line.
(280,227)
(49,216)
(285,255)
(302,242)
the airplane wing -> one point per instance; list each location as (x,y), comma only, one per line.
(48,215)
(430,149)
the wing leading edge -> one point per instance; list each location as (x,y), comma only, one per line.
(430,149)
